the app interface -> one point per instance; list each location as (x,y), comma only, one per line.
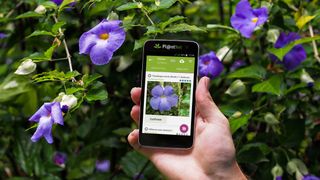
(168,95)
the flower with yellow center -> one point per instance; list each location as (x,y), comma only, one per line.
(104,36)
(255,20)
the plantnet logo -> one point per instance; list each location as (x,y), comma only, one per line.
(167,46)
(157,46)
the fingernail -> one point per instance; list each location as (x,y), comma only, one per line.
(207,82)
(132,90)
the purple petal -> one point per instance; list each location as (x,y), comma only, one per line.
(103,165)
(285,39)
(86,42)
(244,9)
(100,55)
(59,158)
(154,103)
(56,113)
(116,39)
(261,14)
(245,26)
(58,2)
(210,65)
(310,177)
(237,64)
(173,100)
(43,111)
(105,26)
(168,90)
(43,129)
(157,91)
(279,178)
(294,57)
(164,104)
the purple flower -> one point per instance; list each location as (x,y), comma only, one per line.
(247,19)
(210,65)
(102,41)
(163,99)
(60,158)
(103,165)
(58,2)
(279,178)
(138,176)
(46,116)
(3,35)
(295,56)
(237,64)
(310,177)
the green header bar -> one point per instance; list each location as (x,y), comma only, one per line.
(170,64)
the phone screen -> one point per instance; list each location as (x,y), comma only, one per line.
(168,91)
(169,77)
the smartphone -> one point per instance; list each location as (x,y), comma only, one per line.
(169,79)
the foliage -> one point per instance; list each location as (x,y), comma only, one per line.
(274,120)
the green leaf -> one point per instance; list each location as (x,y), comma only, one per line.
(74,90)
(139,43)
(132,163)
(281,52)
(171,20)
(88,79)
(218,26)
(303,20)
(65,3)
(183,27)
(295,165)
(12,86)
(50,51)
(41,33)
(97,92)
(236,123)
(272,85)
(128,6)
(296,87)
(153,30)
(164,4)
(57,26)
(30,14)
(49,5)
(254,71)
(122,131)
(54,76)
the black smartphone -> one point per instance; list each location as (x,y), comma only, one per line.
(169,79)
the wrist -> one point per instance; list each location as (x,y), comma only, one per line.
(233,172)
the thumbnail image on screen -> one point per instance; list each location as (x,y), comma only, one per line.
(168,98)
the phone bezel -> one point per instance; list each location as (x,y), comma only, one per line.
(160,140)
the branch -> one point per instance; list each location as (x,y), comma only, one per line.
(65,45)
(314,44)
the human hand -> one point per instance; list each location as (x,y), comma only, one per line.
(212,155)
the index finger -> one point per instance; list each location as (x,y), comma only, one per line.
(135,95)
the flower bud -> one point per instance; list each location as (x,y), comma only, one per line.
(157,2)
(40,9)
(236,114)
(270,119)
(236,88)
(26,67)
(140,5)
(113,16)
(225,54)
(306,78)
(277,171)
(272,35)
(66,100)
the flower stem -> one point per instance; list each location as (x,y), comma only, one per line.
(314,44)
(65,45)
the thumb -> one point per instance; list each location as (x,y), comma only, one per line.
(207,109)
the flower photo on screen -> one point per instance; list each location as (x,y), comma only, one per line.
(168,98)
